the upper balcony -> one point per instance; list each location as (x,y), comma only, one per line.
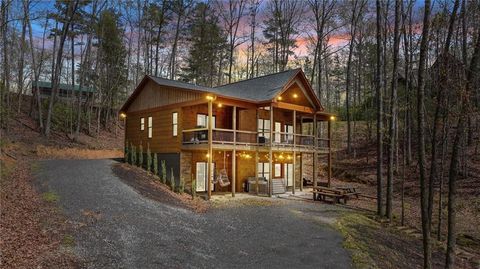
(249,140)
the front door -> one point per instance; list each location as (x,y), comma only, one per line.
(288,174)
(201,176)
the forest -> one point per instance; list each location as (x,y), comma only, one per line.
(405,70)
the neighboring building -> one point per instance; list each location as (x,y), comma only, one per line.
(65,91)
(266,116)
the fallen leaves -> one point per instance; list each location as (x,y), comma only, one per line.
(31,230)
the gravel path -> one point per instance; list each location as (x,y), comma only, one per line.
(115,227)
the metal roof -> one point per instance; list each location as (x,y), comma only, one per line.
(263,88)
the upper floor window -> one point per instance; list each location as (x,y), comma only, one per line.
(202,121)
(150,127)
(264,128)
(142,124)
(175,123)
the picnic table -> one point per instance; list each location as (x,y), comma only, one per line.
(336,195)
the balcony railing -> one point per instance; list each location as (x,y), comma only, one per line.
(249,138)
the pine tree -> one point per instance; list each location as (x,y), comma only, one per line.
(208,44)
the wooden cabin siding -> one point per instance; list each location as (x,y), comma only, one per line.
(153,96)
(162,140)
(223,116)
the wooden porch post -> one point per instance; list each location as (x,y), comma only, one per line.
(294,151)
(234,152)
(256,154)
(210,152)
(301,157)
(315,154)
(270,155)
(329,152)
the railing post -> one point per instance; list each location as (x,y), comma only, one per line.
(270,156)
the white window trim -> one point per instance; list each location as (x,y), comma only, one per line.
(150,127)
(142,124)
(175,123)
(204,118)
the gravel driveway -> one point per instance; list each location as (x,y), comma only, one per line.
(115,227)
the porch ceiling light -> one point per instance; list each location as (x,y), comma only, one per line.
(219,105)
(295,95)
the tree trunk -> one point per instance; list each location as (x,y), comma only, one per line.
(427,253)
(72,8)
(393,112)
(379,96)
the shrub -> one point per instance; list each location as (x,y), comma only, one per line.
(149,159)
(172,180)
(181,186)
(164,172)
(194,188)
(155,164)
(140,156)
(133,154)
(126,157)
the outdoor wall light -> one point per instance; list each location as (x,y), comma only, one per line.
(123,115)
(279,98)
(332,117)
(219,105)
(210,98)
(295,95)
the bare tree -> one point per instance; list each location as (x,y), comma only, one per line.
(379,96)
(393,110)
(454,163)
(427,252)
(231,17)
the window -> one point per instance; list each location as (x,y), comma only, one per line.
(202,121)
(264,128)
(150,127)
(289,130)
(175,123)
(278,130)
(142,124)
(264,170)
(278,170)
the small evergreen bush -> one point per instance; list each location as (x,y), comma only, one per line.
(172,180)
(181,186)
(126,157)
(164,172)
(194,188)
(140,156)
(149,159)
(133,154)
(155,164)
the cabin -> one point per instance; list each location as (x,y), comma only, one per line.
(258,135)
(66,92)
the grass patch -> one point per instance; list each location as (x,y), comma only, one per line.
(6,168)
(347,226)
(35,167)
(68,240)
(50,196)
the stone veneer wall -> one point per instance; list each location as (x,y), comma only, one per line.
(186,169)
